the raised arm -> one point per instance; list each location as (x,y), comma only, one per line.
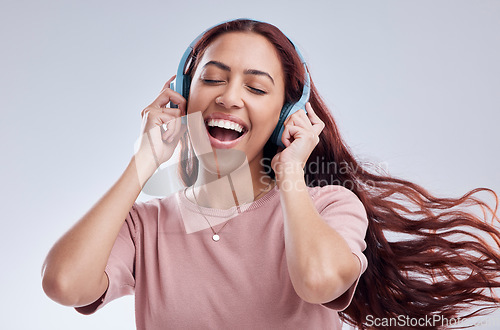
(73,271)
(320,263)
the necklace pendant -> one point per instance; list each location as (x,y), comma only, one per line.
(216,237)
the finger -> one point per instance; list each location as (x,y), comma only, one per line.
(317,124)
(174,112)
(285,137)
(298,118)
(292,133)
(182,105)
(290,117)
(157,118)
(169,130)
(166,96)
(318,128)
(171,127)
(288,135)
(178,126)
(302,120)
(175,130)
(313,117)
(167,84)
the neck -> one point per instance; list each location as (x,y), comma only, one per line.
(243,185)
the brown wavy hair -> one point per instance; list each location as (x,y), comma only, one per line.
(443,259)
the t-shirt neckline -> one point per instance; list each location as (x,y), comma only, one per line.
(214,212)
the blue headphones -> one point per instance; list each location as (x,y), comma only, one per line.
(183,82)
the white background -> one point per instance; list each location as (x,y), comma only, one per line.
(412,84)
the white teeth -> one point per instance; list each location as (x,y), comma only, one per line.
(225,124)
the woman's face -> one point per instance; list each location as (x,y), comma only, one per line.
(239,88)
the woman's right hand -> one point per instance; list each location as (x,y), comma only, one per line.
(161,128)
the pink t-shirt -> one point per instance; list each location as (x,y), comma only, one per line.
(182,279)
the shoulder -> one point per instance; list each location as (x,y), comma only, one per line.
(340,208)
(331,190)
(328,195)
(147,217)
(144,210)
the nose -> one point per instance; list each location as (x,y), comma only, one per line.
(231,97)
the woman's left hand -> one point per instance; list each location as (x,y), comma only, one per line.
(300,137)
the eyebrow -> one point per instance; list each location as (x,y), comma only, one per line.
(259,73)
(224,67)
(218,64)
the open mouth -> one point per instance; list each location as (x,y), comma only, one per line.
(224,130)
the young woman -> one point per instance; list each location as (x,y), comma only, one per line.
(275,240)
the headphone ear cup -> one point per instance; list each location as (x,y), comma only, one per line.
(186,85)
(278,130)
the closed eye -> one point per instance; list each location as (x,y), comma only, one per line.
(256,90)
(212,82)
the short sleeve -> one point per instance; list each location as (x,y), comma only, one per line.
(345,213)
(120,267)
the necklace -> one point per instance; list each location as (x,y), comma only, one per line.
(215,236)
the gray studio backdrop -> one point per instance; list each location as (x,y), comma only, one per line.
(413,85)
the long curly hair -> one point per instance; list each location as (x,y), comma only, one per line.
(426,255)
